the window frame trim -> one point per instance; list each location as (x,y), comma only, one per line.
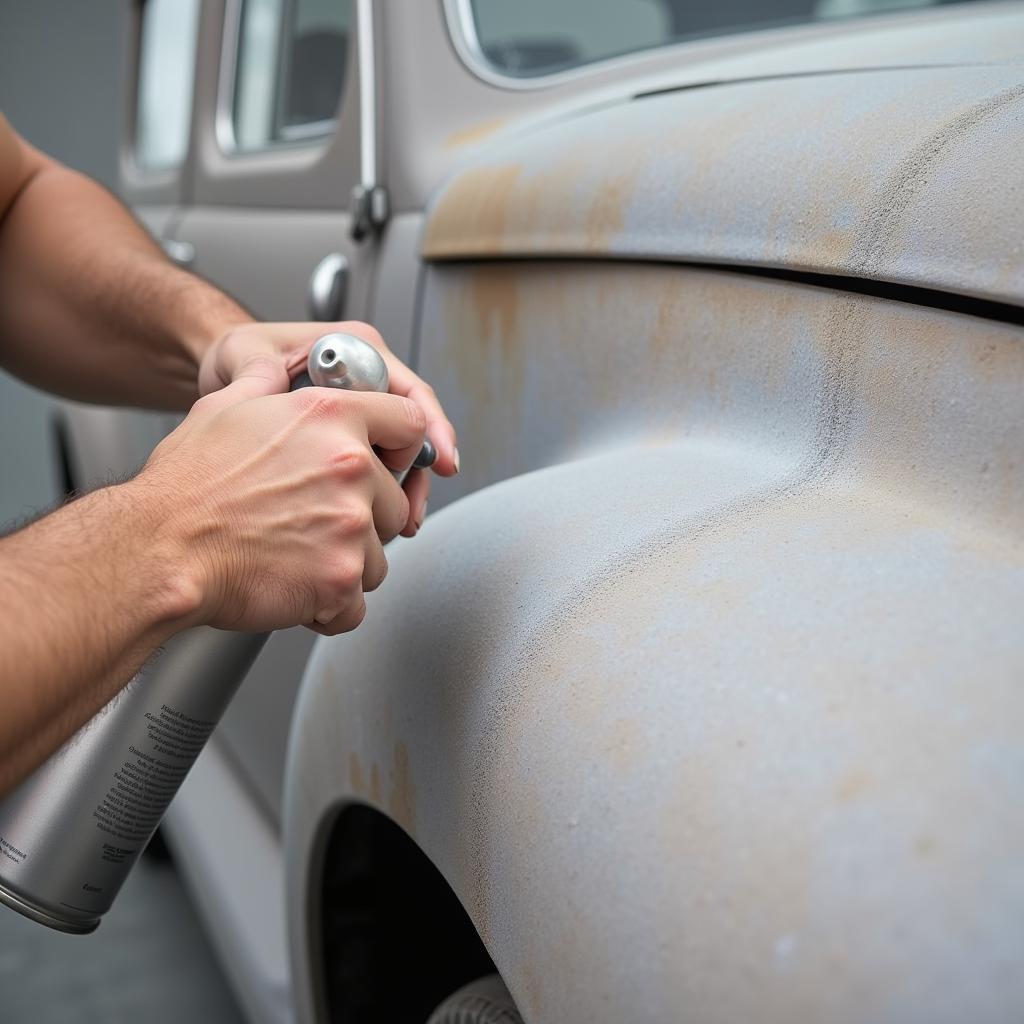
(138,174)
(310,136)
(466,41)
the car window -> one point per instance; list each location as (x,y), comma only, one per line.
(167,56)
(290,69)
(538,37)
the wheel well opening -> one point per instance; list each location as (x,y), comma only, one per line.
(394,937)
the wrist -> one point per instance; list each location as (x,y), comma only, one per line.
(172,576)
(206,318)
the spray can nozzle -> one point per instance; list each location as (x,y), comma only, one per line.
(341,360)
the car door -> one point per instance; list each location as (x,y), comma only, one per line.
(277,155)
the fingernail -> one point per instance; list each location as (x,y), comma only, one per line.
(455,458)
(421,517)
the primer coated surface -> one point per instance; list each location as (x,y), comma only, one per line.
(721,713)
(714,710)
(905,176)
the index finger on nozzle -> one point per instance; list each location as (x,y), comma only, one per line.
(395,426)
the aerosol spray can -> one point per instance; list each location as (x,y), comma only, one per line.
(70,833)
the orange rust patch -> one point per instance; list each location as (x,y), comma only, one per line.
(474,207)
(402,800)
(494,294)
(474,133)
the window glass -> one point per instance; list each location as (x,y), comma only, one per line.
(290,69)
(167,57)
(537,37)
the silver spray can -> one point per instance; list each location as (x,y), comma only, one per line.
(71,831)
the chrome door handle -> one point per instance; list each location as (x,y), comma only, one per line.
(327,288)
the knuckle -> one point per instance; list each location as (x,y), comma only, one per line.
(345,576)
(205,406)
(315,402)
(355,520)
(354,462)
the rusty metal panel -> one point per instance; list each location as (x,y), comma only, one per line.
(718,714)
(910,176)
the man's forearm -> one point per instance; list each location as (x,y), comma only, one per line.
(89,305)
(88,594)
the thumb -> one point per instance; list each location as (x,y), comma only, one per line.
(261,374)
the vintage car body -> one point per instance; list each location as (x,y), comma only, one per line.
(716,717)
(703,701)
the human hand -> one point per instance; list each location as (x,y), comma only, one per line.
(278,503)
(271,354)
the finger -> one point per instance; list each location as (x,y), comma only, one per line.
(344,621)
(417,490)
(235,356)
(394,425)
(390,505)
(438,428)
(406,384)
(263,374)
(375,566)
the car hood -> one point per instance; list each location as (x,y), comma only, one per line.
(908,174)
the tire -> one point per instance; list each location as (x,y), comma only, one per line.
(484,1001)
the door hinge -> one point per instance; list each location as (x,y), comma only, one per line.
(369,210)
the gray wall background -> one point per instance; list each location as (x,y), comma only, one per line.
(61,87)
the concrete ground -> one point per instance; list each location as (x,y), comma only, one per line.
(148,961)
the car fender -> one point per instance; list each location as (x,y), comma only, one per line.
(688,727)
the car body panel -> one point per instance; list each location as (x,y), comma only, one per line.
(718,715)
(905,176)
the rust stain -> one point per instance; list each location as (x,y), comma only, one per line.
(402,799)
(356,777)
(475,206)
(487,350)
(494,294)
(607,215)
(474,133)
(853,786)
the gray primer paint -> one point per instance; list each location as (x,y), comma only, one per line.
(713,711)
